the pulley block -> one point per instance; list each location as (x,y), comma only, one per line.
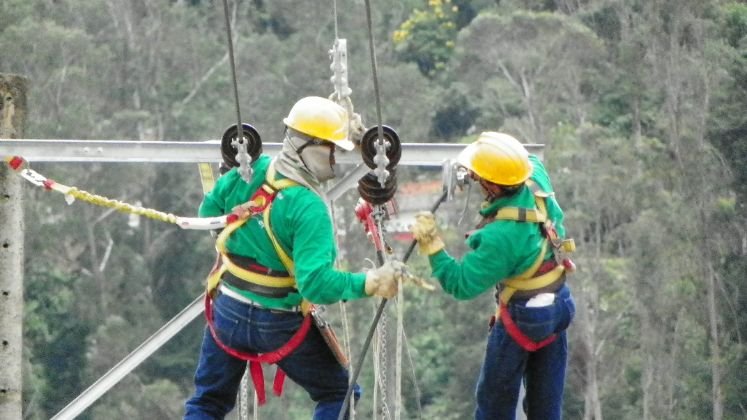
(229,151)
(391,141)
(370,188)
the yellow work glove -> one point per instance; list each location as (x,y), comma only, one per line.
(383,281)
(426,233)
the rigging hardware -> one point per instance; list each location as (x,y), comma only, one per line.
(231,153)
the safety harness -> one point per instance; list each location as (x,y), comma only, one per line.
(541,275)
(257,279)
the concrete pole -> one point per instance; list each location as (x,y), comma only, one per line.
(12,120)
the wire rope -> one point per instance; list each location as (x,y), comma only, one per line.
(233,68)
(382,305)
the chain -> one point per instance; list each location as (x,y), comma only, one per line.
(244,396)
(382,332)
(398,353)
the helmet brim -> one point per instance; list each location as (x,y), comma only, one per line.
(345,144)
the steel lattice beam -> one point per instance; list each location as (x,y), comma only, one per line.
(40,150)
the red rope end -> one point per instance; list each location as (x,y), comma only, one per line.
(277,384)
(15,162)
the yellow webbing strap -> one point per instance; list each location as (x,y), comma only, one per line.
(525,281)
(220,245)
(207,180)
(284,257)
(256,278)
(520,214)
(278,185)
(287,261)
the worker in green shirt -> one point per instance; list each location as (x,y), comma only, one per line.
(519,249)
(277,257)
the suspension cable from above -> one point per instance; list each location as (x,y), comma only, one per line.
(380,128)
(242,156)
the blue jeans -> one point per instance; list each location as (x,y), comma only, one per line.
(506,364)
(251,329)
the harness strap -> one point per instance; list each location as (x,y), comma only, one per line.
(284,257)
(519,337)
(269,292)
(261,202)
(529,280)
(525,280)
(255,359)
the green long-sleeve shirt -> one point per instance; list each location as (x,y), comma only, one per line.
(301,223)
(501,249)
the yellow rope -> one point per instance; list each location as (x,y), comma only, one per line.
(120,206)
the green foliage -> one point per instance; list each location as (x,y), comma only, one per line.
(55,336)
(605,22)
(427,36)
(455,116)
(735,24)
(531,55)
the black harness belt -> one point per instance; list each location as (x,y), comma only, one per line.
(250,264)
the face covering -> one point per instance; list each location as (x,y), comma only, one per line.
(319,160)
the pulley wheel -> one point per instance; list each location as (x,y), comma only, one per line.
(368,146)
(253,146)
(371,190)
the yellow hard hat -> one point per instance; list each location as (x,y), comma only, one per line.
(320,118)
(498,158)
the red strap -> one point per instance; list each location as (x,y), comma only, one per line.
(277,385)
(255,360)
(258,378)
(521,339)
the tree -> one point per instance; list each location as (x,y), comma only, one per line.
(543,58)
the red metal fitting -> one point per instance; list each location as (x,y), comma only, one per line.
(569,265)
(15,162)
(363,210)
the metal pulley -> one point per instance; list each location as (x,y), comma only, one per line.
(371,190)
(392,144)
(382,155)
(234,150)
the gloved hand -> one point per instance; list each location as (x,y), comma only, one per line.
(383,281)
(426,233)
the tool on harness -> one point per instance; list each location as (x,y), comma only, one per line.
(329,336)
(260,203)
(541,276)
